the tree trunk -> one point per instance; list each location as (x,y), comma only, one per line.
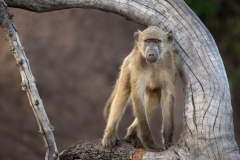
(208,126)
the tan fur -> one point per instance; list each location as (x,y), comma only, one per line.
(148,84)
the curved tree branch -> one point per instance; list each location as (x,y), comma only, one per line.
(208,126)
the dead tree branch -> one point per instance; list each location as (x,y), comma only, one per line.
(28,81)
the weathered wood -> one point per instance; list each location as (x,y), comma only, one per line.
(28,81)
(208,126)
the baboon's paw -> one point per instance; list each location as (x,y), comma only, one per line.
(134,140)
(168,145)
(153,148)
(111,142)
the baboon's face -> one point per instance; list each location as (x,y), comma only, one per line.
(152,50)
(153,43)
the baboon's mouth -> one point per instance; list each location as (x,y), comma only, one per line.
(151,60)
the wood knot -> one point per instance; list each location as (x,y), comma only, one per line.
(24,85)
(36,102)
(11,15)
(20,62)
(55,155)
(52,128)
(41,132)
(11,34)
(13,50)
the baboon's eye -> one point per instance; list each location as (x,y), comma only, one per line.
(157,41)
(148,40)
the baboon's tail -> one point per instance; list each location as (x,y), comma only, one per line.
(107,107)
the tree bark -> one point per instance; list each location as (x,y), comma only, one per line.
(208,126)
(93,150)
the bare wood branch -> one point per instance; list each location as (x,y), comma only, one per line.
(208,126)
(28,81)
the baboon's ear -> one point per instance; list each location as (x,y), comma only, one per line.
(170,37)
(136,35)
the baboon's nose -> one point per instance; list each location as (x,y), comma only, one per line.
(151,54)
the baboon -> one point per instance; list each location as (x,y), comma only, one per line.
(147,76)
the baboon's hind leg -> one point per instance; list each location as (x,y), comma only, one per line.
(132,136)
(152,99)
(167,104)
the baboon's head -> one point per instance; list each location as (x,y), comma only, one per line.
(153,43)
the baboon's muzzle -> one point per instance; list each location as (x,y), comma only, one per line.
(152,54)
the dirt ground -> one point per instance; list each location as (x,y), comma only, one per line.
(75,56)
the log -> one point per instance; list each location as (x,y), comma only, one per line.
(93,149)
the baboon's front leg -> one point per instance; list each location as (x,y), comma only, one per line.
(167,104)
(144,132)
(117,108)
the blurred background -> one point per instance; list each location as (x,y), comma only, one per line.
(75,56)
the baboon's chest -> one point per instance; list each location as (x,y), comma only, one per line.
(156,78)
